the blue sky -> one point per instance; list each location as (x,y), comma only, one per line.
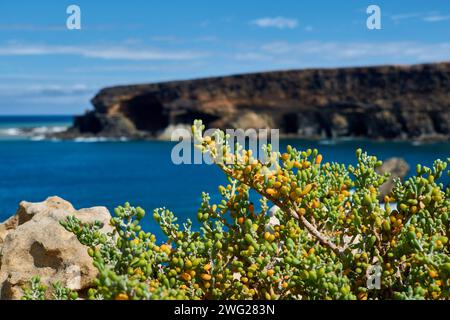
(47,69)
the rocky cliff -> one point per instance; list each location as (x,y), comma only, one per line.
(385,102)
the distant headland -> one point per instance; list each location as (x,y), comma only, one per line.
(383,102)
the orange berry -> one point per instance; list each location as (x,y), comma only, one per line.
(362,296)
(186,276)
(293,196)
(122,296)
(165,248)
(315,204)
(319,159)
(432,274)
(205,276)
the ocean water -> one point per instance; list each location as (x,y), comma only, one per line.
(108,173)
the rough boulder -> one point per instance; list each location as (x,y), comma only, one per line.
(33,243)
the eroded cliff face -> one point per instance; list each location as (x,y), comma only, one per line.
(386,102)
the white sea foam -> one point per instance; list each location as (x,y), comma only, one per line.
(38,138)
(47,130)
(34,133)
(327,142)
(44,133)
(11,132)
(99,139)
(90,139)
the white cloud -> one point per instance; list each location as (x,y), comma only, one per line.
(116,52)
(436,18)
(167,39)
(405,16)
(433,16)
(31,27)
(45,98)
(48,90)
(43,27)
(276,22)
(160,69)
(317,53)
(174,40)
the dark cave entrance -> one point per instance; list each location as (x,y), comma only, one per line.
(290,123)
(147,113)
(357,125)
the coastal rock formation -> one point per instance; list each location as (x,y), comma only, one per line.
(33,243)
(398,168)
(7,227)
(385,102)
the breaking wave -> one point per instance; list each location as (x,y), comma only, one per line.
(99,139)
(35,133)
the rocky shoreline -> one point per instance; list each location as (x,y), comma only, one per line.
(379,103)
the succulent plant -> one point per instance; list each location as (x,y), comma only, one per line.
(36,290)
(326,230)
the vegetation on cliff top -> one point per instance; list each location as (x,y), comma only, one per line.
(329,238)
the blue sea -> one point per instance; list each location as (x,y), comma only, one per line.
(108,173)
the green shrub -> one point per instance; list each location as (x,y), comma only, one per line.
(327,235)
(37,291)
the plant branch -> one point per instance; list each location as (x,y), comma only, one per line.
(326,241)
